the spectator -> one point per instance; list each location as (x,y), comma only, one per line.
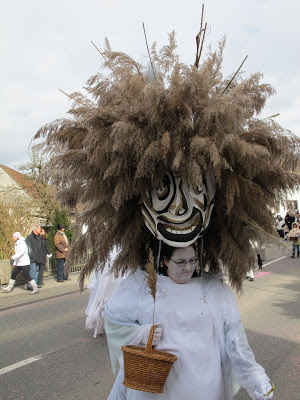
(46,253)
(294,237)
(62,249)
(21,262)
(35,251)
(258,248)
(280,224)
(297,216)
(289,219)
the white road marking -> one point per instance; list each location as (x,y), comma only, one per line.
(271,262)
(20,364)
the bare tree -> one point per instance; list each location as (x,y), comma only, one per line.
(15,216)
(42,191)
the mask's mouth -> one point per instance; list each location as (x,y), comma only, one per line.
(182,232)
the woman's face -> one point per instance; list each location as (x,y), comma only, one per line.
(182,264)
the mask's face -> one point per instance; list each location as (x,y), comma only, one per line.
(177,214)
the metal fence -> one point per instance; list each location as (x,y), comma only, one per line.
(50,269)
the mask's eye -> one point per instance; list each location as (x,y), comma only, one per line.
(163,189)
(198,188)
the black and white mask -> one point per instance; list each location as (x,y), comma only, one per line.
(177,214)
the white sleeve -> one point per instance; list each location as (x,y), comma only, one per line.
(23,250)
(248,373)
(102,287)
(122,328)
(122,314)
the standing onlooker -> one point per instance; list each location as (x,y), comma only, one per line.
(258,248)
(297,216)
(46,253)
(21,262)
(289,219)
(62,249)
(35,251)
(294,237)
(280,224)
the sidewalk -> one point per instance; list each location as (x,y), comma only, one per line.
(19,296)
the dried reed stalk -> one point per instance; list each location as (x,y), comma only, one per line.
(269,234)
(151,279)
(98,50)
(148,51)
(71,97)
(227,86)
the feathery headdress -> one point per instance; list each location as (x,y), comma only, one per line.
(186,119)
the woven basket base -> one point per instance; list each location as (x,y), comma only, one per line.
(143,388)
(146,371)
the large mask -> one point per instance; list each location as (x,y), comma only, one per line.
(178,214)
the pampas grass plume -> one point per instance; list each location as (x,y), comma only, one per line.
(151,279)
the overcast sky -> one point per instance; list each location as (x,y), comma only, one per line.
(45,45)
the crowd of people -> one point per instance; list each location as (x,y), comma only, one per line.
(288,228)
(30,257)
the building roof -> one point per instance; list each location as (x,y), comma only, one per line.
(24,182)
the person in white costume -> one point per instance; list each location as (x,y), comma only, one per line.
(197,317)
(201,326)
(148,160)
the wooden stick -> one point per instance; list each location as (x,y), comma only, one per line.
(198,37)
(202,15)
(71,97)
(203,37)
(234,76)
(148,50)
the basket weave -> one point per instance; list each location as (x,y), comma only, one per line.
(146,369)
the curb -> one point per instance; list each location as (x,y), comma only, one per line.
(26,303)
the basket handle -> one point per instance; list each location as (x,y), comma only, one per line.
(150,338)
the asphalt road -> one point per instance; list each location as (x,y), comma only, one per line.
(65,362)
(72,364)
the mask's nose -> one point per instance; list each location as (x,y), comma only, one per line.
(179,204)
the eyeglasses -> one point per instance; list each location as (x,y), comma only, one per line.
(181,264)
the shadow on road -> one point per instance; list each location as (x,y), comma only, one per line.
(289,306)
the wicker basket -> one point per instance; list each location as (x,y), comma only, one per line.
(146,369)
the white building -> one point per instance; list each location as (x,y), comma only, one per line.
(292,203)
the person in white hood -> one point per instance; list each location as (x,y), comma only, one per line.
(21,262)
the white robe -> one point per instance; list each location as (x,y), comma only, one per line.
(101,286)
(201,326)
